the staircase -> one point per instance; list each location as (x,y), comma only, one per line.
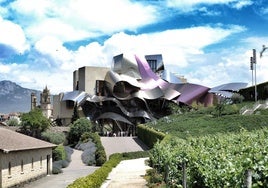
(258,105)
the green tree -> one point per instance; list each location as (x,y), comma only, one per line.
(219,109)
(79,127)
(34,123)
(75,114)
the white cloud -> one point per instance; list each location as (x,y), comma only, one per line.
(13,36)
(76,20)
(4,69)
(241,4)
(54,49)
(190,5)
(57,28)
(178,47)
(181,48)
(206,12)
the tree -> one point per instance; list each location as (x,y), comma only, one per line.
(79,127)
(75,114)
(34,123)
(220,107)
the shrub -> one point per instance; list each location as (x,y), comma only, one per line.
(79,127)
(69,152)
(154,176)
(59,153)
(136,154)
(13,121)
(96,179)
(100,155)
(89,149)
(88,157)
(61,158)
(237,98)
(52,137)
(149,135)
(56,168)
(64,163)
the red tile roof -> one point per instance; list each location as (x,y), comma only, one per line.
(14,141)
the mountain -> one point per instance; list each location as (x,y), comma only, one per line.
(14,98)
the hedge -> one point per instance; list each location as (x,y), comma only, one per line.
(59,153)
(96,179)
(149,135)
(100,155)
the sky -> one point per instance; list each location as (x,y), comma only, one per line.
(209,42)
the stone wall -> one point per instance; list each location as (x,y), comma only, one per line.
(22,166)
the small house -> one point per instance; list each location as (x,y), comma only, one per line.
(23,158)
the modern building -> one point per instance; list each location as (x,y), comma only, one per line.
(133,91)
(23,158)
(85,78)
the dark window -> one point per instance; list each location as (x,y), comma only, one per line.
(69,104)
(153,64)
(21,166)
(41,161)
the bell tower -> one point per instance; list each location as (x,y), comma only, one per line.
(45,103)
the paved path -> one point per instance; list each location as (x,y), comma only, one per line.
(75,170)
(128,174)
(122,144)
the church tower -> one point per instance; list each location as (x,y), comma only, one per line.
(45,103)
(33,101)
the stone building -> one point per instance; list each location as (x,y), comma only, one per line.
(23,158)
(45,103)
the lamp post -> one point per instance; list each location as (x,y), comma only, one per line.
(253,62)
(263,49)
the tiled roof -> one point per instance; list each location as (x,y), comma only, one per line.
(14,141)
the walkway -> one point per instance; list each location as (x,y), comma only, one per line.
(128,173)
(75,170)
(122,144)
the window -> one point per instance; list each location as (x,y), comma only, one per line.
(41,160)
(9,168)
(99,89)
(69,104)
(152,64)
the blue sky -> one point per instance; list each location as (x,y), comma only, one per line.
(209,42)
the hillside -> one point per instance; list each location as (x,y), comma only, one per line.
(14,98)
(205,122)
